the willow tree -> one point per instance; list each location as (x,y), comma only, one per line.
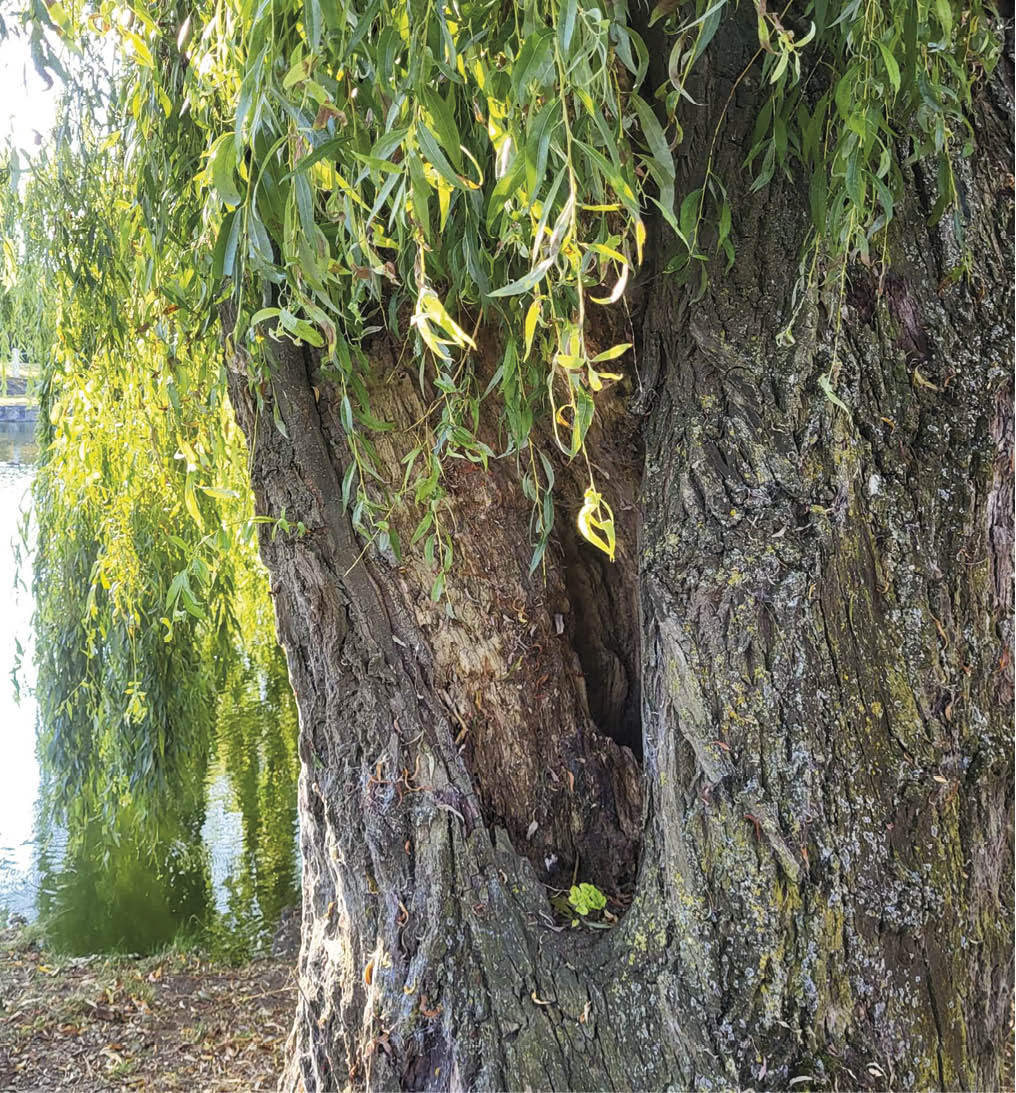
(627,400)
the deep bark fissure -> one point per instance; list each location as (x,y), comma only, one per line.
(606,639)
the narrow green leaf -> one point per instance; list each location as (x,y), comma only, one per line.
(892,67)
(688,218)
(943,9)
(661,162)
(566,15)
(224,253)
(443,126)
(223,166)
(304,204)
(524,284)
(347,483)
(421,193)
(300,328)
(825,382)
(429,147)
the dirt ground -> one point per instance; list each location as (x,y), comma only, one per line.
(172,1022)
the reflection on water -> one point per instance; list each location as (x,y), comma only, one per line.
(18,445)
(121,885)
(19,771)
(210,854)
(256,736)
(218,864)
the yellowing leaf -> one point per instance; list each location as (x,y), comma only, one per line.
(191,504)
(612,353)
(532,317)
(444,197)
(142,54)
(617,291)
(597,379)
(219,493)
(434,344)
(470,185)
(596,517)
(430,305)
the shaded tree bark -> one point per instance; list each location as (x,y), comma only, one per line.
(808,631)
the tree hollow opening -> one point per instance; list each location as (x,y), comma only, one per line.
(604,632)
(541,668)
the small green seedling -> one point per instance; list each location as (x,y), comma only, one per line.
(586,898)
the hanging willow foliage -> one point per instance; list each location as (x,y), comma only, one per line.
(146,572)
(429,170)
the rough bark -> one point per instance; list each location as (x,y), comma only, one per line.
(820,649)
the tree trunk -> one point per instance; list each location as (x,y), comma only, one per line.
(786,705)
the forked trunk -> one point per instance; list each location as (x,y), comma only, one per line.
(786,707)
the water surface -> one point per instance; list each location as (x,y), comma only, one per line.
(19,771)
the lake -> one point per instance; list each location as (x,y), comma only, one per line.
(215,867)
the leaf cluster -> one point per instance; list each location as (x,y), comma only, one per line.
(446,177)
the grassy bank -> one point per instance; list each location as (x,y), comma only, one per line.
(175,1021)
